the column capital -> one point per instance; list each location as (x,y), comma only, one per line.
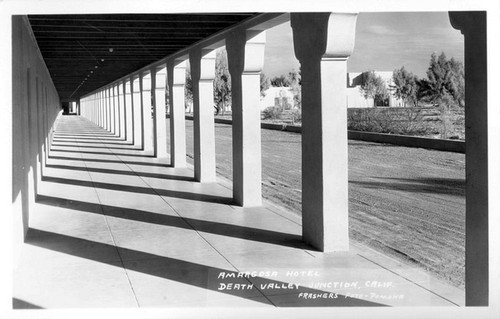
(126,86)
(202,63)
(323,35)
(135,83)
(245,51)
(468,21)
(176,70)
(145,81)
(160,76)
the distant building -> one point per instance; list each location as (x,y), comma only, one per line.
(356,99)
(277,96)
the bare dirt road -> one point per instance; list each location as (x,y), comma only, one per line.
(407,202)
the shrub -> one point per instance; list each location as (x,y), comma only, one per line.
(296,116)
(406,121)
(272,113)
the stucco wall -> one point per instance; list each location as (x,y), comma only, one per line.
(356,99)
(273,93)
(35,108)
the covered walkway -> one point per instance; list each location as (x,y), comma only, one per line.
(116,227)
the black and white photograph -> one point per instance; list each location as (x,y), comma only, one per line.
(218,159)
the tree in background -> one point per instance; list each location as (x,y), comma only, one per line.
(405,86)
(188,90)
(445,84)
(373,86)
(222,82)
(280,81)
(295,79)
(264,84)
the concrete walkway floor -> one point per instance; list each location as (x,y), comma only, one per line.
(114,227)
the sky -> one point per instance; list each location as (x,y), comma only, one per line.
(384,42)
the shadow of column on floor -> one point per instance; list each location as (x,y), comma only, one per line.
(104,146)
(100,153)
(217,228)
(21,304)
(193,274)
(142,190)
(98,160)
(91,141)
(88,138)
(122,172)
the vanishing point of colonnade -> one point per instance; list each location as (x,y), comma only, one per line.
(124,109)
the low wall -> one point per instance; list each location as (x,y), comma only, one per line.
(410,141)
(401,140)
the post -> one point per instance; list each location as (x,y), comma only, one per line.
(106,108)
(159,77)
(145,84)
(129,111)
(473,27)
(245,54)
(123,113)
(137,104)
(176,82)
(202,63)
(116,99)
(323,42)
(111,109)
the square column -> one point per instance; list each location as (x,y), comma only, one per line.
(129,113)
(98,109)
(108,109)
(111,110)
(147,117)
(473,27)
(159,81)
(121,104)
(92,106)
(323,42)
(116,102)
(202,63)
(245,55)
(137,111)
(105,108)
(176,83)
(101,109)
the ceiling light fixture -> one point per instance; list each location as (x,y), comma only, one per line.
(111,49)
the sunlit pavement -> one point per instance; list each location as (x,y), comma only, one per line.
(115,227)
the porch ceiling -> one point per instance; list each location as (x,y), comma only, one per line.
(85,52)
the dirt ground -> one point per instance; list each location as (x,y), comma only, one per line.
(406,202)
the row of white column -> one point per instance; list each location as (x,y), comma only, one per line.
(322,43)
(123,109)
